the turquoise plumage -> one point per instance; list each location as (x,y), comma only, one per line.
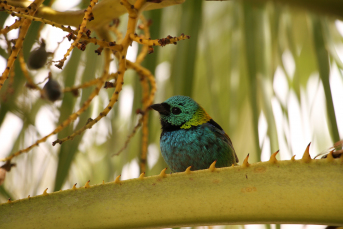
(190,137)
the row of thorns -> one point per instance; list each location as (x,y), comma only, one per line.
(81,38)
(306,158)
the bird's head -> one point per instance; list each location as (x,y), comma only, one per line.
(180,112)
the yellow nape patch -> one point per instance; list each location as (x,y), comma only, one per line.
(199,117)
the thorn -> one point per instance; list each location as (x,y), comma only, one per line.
(59,65)
(245,162)
(329,157)
(87,184)
(273,157)
(45,192)
(188,170)
(9,200)
(74,186)
(117,180)
(103,181)
(213,166)
(163,173)
(306,157)
(293,158)
(141,177)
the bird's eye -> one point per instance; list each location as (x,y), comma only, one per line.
(176,110)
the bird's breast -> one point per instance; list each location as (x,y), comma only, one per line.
(197,146)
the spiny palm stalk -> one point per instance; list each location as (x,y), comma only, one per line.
(293,191)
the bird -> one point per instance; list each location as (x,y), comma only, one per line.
(190,137)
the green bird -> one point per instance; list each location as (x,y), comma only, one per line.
(190,137)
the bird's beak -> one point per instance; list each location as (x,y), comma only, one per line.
(162,108)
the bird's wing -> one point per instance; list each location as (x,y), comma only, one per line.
(220,133)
